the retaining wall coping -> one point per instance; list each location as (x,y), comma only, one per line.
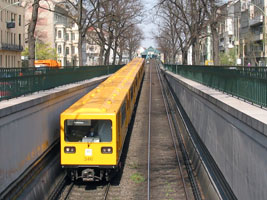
(252,115)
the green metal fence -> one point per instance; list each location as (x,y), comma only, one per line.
(15,82)
(248,83)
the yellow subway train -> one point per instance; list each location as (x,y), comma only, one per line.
(94,128)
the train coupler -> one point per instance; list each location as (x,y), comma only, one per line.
(88,175)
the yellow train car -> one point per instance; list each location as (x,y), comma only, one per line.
(94,128)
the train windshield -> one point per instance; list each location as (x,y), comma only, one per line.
(92,131)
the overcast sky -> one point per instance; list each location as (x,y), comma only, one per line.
(147,25)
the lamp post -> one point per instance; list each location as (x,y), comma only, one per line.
(16,3)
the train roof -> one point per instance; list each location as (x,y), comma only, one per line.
(107,97)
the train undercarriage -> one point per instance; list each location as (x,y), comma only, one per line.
(89,174)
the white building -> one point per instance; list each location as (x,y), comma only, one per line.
(57,30)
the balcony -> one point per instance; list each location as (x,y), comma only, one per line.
(10,47)
(257,37)
(256,21)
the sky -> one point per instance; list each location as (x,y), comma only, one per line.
(147,25)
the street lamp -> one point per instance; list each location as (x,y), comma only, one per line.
(16,3)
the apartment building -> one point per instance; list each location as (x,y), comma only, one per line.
(226,28)
(91,50)
(56,30)
(11,33)
(256,45)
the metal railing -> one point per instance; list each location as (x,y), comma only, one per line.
(15,82)
(248,83)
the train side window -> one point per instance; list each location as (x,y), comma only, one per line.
(123,113)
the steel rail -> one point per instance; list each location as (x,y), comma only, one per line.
(189,169)
(69,191)
(58,188)
(149,134)
(170,122)
(106,191)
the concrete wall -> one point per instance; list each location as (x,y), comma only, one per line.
(30,124)
(235,133)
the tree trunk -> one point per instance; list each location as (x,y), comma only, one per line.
(130,54)
(120,59)
(80,29)
(80,39)
(107,53)
(173,57)
(31,30)
(115,52)
(184,57)
(215,45)
(101,54)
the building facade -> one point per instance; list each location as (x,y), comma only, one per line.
(56,30)
(254,44)
(11,33)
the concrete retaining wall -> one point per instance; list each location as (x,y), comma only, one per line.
(30,124)
(235,133)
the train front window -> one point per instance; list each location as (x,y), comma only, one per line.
(92,131)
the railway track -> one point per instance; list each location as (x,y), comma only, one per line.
(80,190)
(170,107)
(166,174)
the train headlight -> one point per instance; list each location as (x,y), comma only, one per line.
(106,150)
(69,149)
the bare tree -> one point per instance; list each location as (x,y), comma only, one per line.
(189,13)
(174,35)
(123,14)
(133,39)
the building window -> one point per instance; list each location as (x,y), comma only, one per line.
(59,49)
(19,39)
(1,61)
(67,50)
(59,34)
(72,36)
(67,37)
(19,20)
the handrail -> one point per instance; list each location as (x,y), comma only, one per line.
(248,83)
(15,82)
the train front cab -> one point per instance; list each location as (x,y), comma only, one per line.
(88,147)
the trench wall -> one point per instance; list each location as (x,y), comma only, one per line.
(235,133)
(30,124)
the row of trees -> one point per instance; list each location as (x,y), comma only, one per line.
(115,23)
(183,23)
